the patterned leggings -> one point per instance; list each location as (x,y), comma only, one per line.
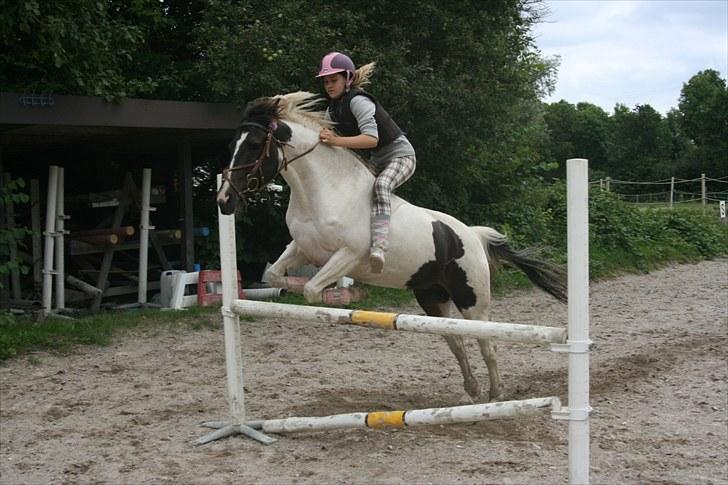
(395,174)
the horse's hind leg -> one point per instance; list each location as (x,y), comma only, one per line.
(488,351)
(436,302)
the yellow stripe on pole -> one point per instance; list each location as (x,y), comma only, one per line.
(385,419)
(377,319)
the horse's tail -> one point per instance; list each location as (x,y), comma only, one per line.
(547,276)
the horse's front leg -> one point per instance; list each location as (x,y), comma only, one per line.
(340,264)
(291,258)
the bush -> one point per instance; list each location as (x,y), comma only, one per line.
(11,193)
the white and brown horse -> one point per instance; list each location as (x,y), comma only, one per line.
(438,257)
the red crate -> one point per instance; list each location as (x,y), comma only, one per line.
(207,289)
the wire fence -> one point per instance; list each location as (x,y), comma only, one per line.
(703,190)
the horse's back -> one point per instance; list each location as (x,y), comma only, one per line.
(422,242)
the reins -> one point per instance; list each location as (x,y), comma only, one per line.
(254,182)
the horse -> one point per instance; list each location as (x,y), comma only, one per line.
(442,260)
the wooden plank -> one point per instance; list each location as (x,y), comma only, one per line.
(103,279)
(129,289)
(35,223)
(135,113)
(122,231)
(186,215)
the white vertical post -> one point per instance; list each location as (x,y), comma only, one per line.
(50,228)
(672,191)
(702,190)
(609,179)
(231,321)
(578,278)
(144,234)
(60,264)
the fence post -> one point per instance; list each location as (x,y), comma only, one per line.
(609,180)
(672,191)
(601,185)
(578,276)
(702,190)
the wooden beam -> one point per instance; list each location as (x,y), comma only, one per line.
(132,113)
(186,211)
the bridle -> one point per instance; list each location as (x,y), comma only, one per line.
(254,179)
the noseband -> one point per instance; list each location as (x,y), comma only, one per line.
(254,179)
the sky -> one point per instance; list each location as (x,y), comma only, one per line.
(632,51)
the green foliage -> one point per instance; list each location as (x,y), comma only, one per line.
(625,238)
(640,144)
(67,46)
(11,193)
(622,237)
(579,131)
(704,108)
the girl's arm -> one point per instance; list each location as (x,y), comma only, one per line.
(359,141)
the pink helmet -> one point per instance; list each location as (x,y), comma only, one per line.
(334,62)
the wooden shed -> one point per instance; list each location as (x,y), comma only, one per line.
(102,147)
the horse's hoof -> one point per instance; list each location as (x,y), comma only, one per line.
(313,297)
(466,399)
(495,396)
(376,260)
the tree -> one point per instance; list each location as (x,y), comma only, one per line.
(704,108)
(682,150)
(461,79)
(579,131)
(68,47)
(640,142)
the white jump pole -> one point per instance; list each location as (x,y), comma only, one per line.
(50,228)
(60,264)
(415,417)
(507,332)
(144,228)
(577,171)
(231,325)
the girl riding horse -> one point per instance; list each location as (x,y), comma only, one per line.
(362,123)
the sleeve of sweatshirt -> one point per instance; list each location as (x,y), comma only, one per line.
(363,110)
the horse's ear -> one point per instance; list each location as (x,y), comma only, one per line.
(283,132)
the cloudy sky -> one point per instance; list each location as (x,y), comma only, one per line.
(632,51)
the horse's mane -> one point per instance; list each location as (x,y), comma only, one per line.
(302,107)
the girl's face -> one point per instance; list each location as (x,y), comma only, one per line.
(335,85)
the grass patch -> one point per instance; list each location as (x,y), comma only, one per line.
(20,336)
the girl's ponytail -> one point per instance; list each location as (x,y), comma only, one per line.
(362,75)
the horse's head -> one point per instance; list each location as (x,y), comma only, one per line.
(256,153)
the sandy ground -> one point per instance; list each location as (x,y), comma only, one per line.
(129,413)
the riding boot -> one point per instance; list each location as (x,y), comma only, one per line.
(380,242)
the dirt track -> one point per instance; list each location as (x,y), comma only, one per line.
(128,413)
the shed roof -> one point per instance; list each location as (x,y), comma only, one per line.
(31,123)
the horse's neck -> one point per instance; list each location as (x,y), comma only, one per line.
(326,178)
